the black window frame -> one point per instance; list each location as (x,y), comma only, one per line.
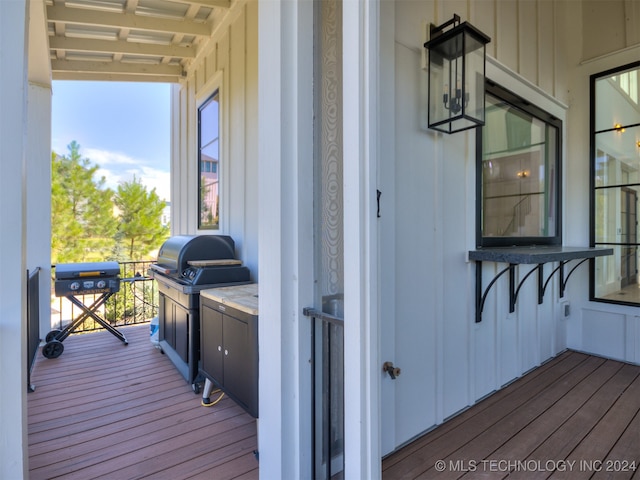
(203,105)
(592,180)
(528,108)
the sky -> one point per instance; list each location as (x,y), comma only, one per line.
(124,127)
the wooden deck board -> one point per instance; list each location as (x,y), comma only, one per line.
(627,447)
(106,410)
(565,425)
(491,406)
(575,407)
(503,430)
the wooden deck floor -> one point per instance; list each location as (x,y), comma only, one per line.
(575,417)
(106,410)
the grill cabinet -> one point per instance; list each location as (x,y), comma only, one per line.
(186,265)
(229,344)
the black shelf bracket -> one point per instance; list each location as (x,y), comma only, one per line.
(515,287)
(482,296)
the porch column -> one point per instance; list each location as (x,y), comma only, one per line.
(285,192)
(38,158)
(13,94)
(360,50)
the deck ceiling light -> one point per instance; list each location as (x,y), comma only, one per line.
(456,76)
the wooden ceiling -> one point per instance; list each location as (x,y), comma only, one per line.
(128,40)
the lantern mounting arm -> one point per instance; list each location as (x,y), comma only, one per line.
(434,30)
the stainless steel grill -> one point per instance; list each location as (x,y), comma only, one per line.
(186,265)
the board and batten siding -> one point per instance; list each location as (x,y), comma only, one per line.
(229,62)
(448,361)
(543,51)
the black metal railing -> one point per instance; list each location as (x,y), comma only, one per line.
(33,320)
(136,302)
(327,358)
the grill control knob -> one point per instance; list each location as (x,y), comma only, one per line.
(74,285)
(101,284)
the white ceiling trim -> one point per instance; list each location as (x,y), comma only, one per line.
(125,20)
(120,46)
(137,40)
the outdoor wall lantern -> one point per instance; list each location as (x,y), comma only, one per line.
(456,76)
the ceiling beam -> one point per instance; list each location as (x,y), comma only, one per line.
(120,46)
(208,3)
(125,20)
(114,77)
(80,66)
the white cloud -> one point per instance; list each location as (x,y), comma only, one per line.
(118,168)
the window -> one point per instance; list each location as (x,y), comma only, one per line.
(208,163)
(615,181)
(518,173)
(628,83)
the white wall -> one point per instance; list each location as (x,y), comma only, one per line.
(13,104)
(228,61)
(448,361)
(544,52)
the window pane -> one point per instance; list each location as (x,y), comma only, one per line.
(210,152)
(617,99)
(615,213)
(617,159)
(519,169)
(616,276)
(209,121)
(209,149)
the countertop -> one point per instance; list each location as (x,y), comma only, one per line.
(240,297)
(537,254)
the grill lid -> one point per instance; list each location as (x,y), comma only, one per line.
(83,270)
(87,278)
(176,253)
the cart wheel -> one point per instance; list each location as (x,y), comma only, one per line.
(52,335)
(53,349)
(196,388)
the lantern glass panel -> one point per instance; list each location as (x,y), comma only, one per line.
(474,80)
(439,73)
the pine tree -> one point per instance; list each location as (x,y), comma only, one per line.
(140,229)
(82,223)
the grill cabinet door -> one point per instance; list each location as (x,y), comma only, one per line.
(212,349)
(167,331)
(237,359)
(181,322)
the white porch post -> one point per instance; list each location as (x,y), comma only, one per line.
(13,94)
(360,111)
(38,158)
(285,143)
